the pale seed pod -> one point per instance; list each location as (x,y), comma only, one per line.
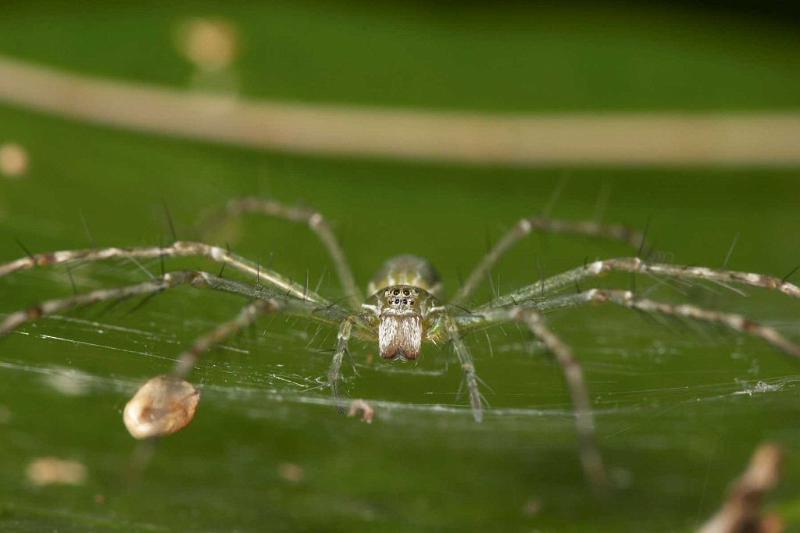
(162,406)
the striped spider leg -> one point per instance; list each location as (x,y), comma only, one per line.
(280,293)
(527,226)
(530,312)
(726,278)
(315,221)
(166,396)
(263,300)
(238,207)
(176,249)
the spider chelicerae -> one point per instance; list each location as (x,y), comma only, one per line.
(403,310)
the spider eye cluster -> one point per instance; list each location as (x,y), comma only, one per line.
(401,296)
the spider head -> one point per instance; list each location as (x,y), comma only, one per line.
(400,330)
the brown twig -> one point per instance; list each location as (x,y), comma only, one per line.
(769,139)
(741,512)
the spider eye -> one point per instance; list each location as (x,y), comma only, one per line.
(397,300)
(411,302)
(406,292)
(405,301)
(396,292)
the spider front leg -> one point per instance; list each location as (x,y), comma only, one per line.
(245,318)
(166,404)
(591,459)
(491,314)
(627,299)
(635,265)
(328,314)
(526,226)
(335,370)
(315,221)
(177,249)
(467,366)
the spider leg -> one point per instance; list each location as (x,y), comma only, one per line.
(335,370)
(636,265)
(316,222)
(591,459)
(468,367)
(530,314)
(247,316)
(526,226)
(627,299)
(732,321)
(328,314)
(177,249)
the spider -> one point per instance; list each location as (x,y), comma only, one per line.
(405,306)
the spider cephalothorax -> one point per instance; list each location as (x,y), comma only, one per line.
(400,331)
(403,294)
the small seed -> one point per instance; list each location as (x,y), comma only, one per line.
(54,471)
(13,160)
(291,472)
(162,406)
(211,44)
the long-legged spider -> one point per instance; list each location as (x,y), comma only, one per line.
(405,307)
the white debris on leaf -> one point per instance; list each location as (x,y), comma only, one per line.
(69,381)
(13,160)
(54,471)
(759,388)
(532,507)
(291,472)
(162,406)
(366,410)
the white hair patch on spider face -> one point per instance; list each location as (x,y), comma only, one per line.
(400,335)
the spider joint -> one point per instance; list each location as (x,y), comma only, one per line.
(315,220)
(217,253)
(371,308)
(597,267)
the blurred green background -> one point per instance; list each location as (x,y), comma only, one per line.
(679,409)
